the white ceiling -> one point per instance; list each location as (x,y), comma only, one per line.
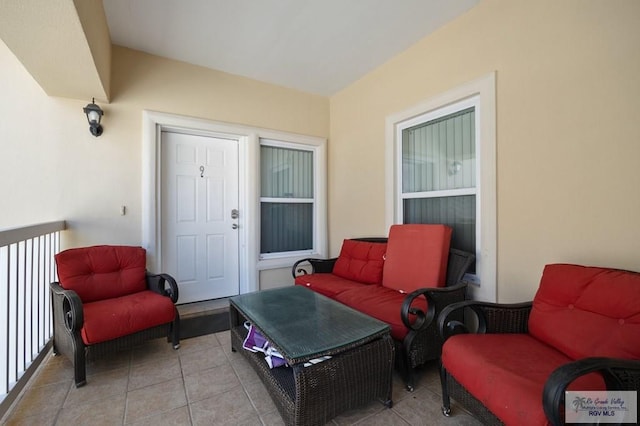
(317,46)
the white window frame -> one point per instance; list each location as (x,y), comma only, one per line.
(320,229)
(424,118)
(317,209)
(479,93)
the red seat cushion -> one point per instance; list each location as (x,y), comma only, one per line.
(102,272)
(588,311)
(361,261)
(116,317)
(416,257)
(329,285)
(507,372)
(381,303)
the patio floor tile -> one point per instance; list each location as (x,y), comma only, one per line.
(202,383)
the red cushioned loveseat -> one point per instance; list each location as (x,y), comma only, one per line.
(106,300)
(516,368)
(403,280)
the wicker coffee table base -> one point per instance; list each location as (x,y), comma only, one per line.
(316,394)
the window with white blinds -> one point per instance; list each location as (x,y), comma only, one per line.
(441,168)
(438,173)
(286,198)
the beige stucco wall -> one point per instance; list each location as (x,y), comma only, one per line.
(53,168)
(64,44)
(568,96)
(94,25)
(275,278)
(568,131)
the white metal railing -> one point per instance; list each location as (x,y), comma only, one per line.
(27,267)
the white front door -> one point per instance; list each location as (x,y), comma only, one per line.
(199,177)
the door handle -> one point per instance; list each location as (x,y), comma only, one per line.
(234,226)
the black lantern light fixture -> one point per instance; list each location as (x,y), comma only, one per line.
(94,115)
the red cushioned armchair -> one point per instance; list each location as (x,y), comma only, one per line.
(106,301)
(580,333)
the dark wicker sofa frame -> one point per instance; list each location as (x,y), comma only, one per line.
(422,343)
(513,318)
(68,320)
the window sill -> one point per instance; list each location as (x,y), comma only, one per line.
(284,262)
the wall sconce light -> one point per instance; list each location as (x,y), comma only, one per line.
(94,115)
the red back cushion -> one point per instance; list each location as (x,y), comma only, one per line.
(102,272)
(416,257)
(361,261)
(587,311)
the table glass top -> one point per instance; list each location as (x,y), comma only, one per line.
(303,324)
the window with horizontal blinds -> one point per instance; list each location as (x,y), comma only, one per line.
(439,175)
(286,199)
(440,154)
(286,227)
(286,173)
(457,212)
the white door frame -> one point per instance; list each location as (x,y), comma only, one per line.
(152,125)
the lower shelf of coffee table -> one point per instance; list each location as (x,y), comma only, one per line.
(314,395)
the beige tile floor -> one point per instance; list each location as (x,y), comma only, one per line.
(202,383)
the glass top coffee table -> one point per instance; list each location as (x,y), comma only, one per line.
(305,326)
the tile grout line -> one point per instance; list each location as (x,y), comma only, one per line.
(126,399)
(184,385)
(244,389)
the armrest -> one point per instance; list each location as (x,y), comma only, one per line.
(158,282)
(619,374)
(318,266)
(491,318)
(70,306)
(458,264)
(437,298)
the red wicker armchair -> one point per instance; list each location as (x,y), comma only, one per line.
(581,332)
(105,301)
